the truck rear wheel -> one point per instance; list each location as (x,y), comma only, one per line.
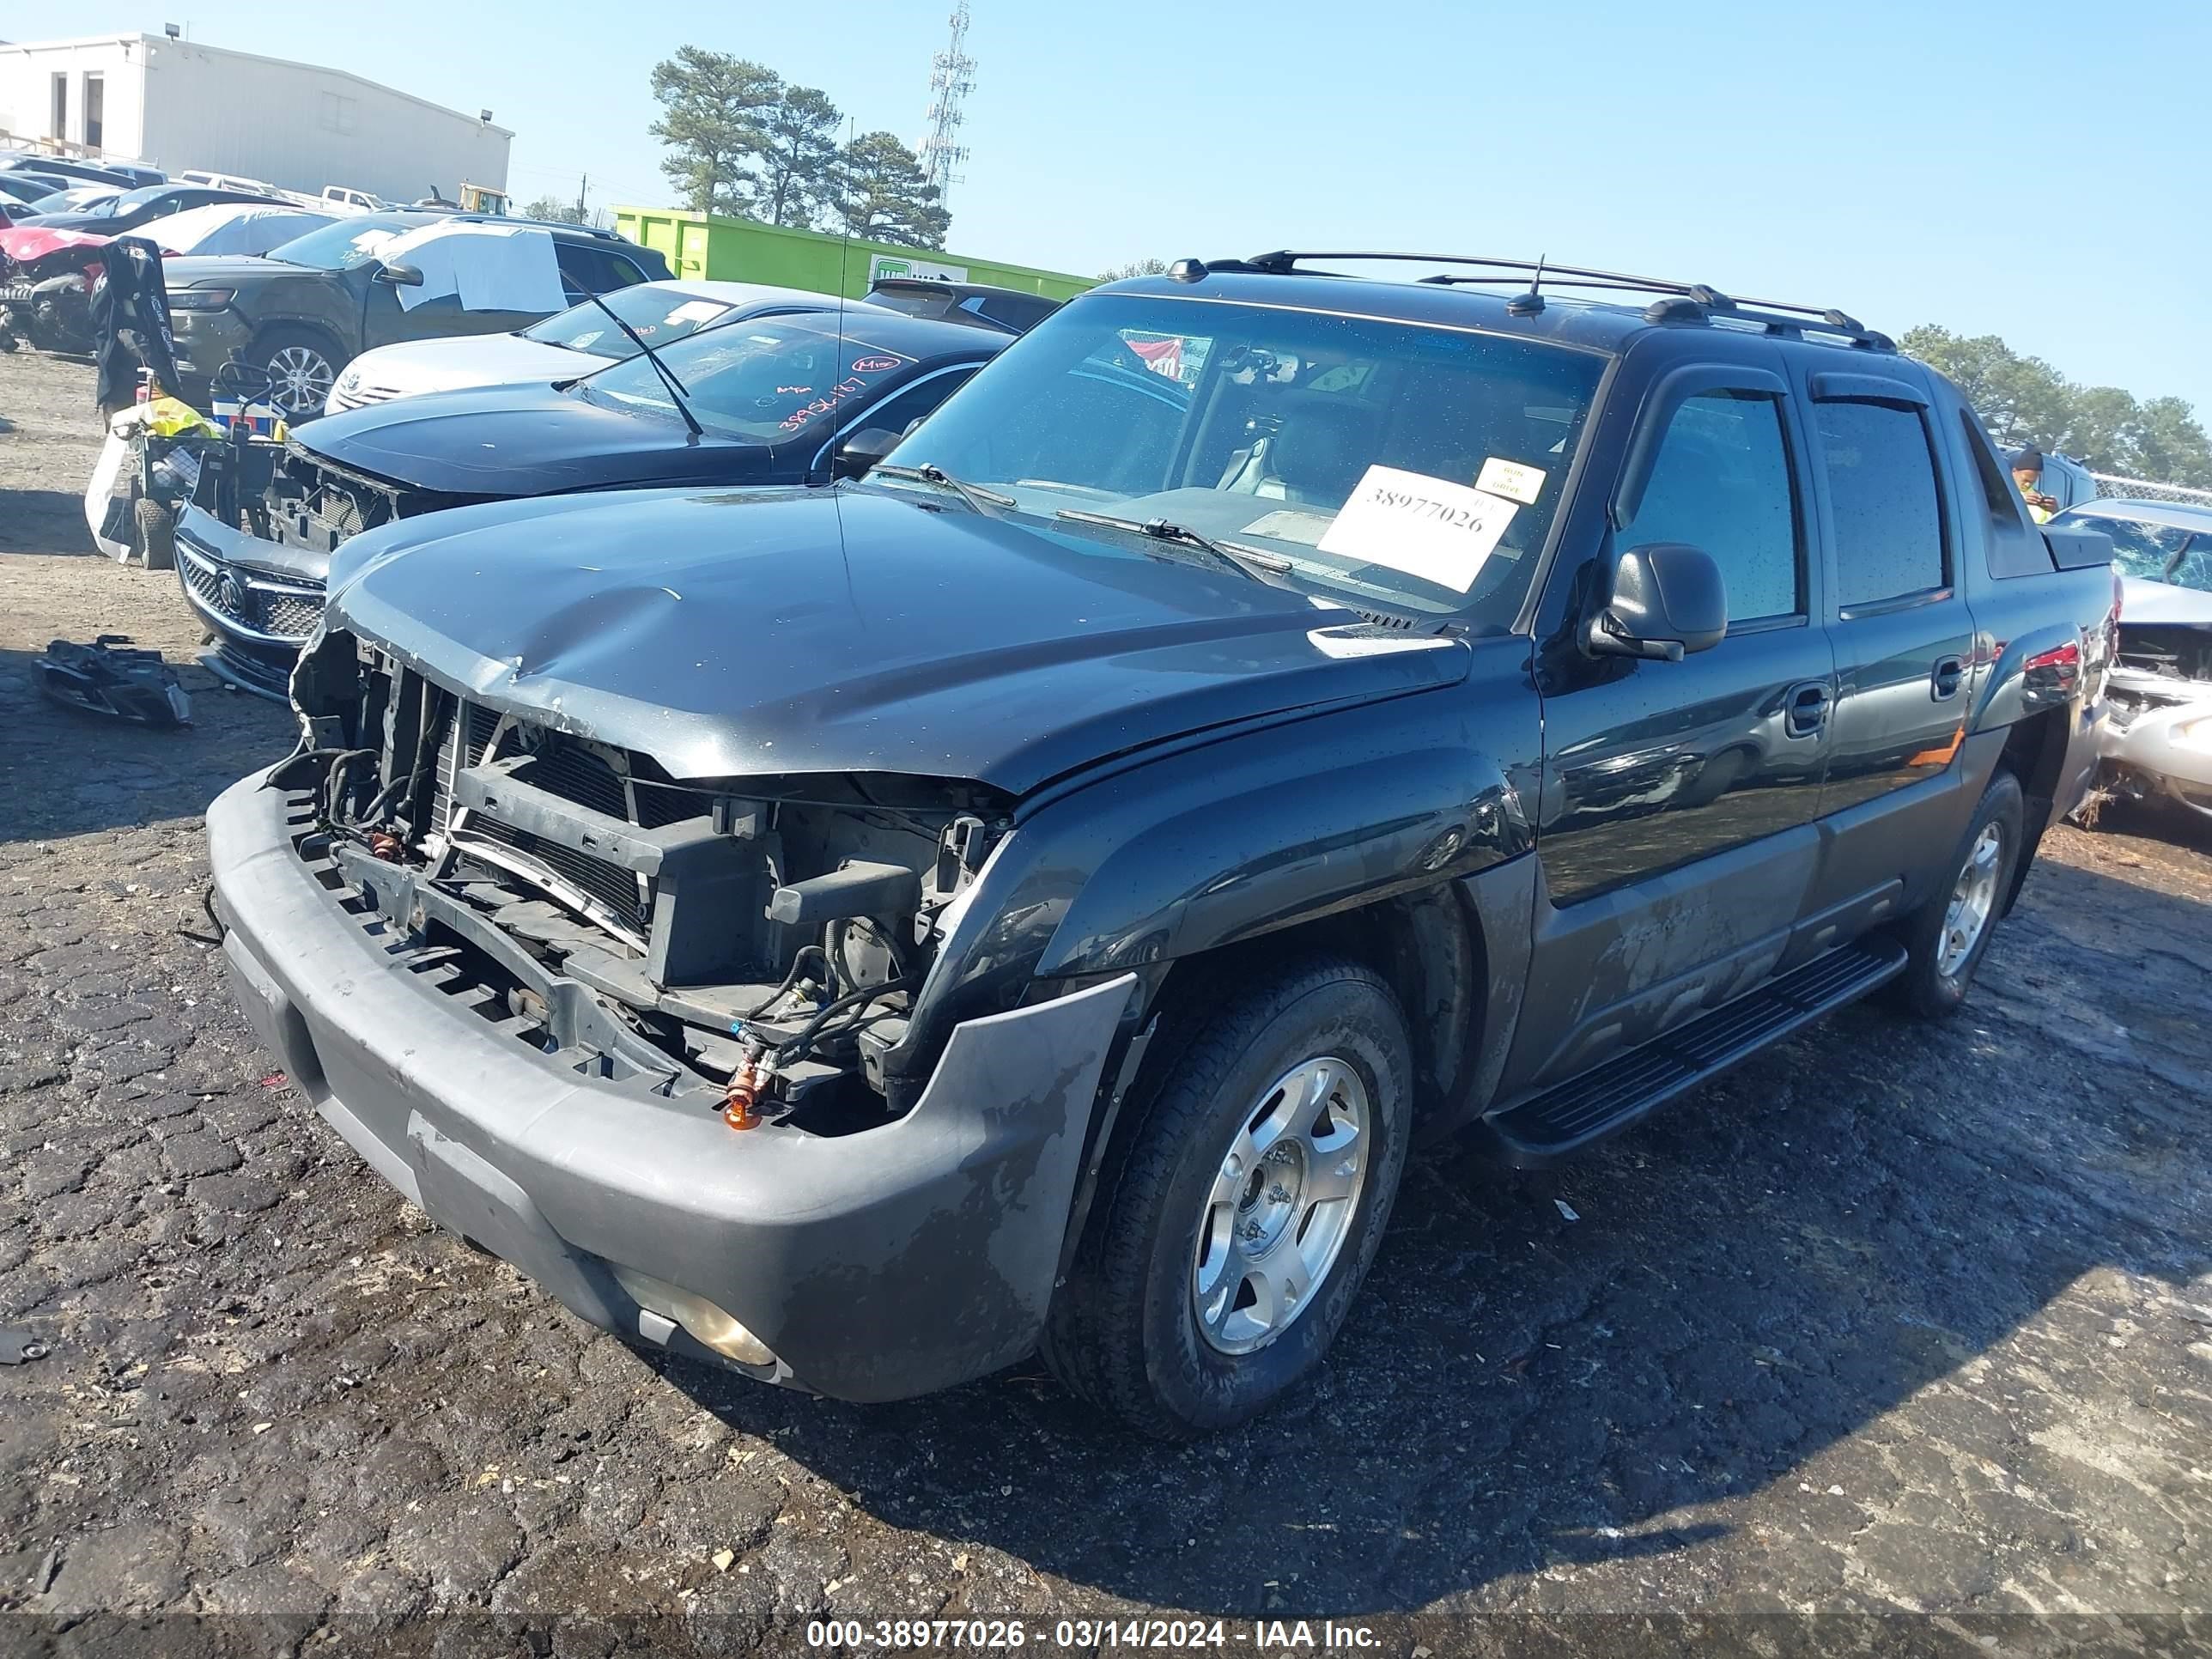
(1241,1204)
(1948,936)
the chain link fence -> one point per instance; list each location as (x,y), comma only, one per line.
(2142,490)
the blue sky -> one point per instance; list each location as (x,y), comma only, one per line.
(2023,170)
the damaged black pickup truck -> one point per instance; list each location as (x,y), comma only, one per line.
(1034,894)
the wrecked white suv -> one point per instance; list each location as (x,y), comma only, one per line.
(2158,739)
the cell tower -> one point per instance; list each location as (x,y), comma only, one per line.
(951,78)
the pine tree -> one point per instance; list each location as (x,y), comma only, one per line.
(884,197)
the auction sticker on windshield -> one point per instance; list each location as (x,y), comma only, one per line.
(1440,532)
(1511,479)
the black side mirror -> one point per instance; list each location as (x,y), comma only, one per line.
(862,451)
(400,276)
(1667,600)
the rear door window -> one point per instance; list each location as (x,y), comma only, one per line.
(588,270)
(1882,500)
(1721,482)
(2013,546)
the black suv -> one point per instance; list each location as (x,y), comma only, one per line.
(304,311)
(1036,895)
(767,400)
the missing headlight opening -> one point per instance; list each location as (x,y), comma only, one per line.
(751,944)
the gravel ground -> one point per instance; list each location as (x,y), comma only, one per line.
(1904,1329)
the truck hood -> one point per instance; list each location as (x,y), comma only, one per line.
(454,362)
(230,269)
(859,629)
(526,440)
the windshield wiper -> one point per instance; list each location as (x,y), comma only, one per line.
(1245,560)
(675,386)
(975,494)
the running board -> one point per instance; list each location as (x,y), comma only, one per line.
(1570,1115)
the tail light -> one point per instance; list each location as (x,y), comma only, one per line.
(2056,669)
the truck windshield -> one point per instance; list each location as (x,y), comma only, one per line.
(1373,462)
(348,242)
(761,382)
(658,315)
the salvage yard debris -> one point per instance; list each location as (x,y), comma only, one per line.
(129,685)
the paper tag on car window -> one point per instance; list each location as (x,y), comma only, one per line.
(698,310)
(1440,532)
(1511,479)
(1291,525)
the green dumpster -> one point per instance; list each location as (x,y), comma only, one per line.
(722,249)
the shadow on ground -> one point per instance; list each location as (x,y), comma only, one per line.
(65,772)
(44,521)
(1757,1276)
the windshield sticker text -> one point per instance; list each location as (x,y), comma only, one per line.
(856,381)
(1289,525)
(823,405)
(1430,528)
(1511,479)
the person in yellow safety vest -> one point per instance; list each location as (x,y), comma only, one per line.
(2027,473)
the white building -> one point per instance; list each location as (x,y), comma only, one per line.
(177,104)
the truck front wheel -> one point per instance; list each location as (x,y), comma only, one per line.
(301,365)
(1240,1206)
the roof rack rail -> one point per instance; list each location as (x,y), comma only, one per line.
(1683,302)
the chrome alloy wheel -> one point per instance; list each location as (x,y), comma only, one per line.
(1972,900)
(1281,1205)
(299,380)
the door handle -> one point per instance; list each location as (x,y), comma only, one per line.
(1949,674)
(1808,710)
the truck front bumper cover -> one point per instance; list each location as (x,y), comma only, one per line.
(875,1266)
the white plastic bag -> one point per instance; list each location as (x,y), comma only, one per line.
(107,509)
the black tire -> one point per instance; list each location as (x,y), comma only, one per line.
(1123,1332)
(1926,987)
(302,365)
(154,534)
